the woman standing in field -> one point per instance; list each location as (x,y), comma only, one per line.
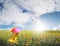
(15,31)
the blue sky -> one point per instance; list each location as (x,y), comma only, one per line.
(52,19)
(31,15)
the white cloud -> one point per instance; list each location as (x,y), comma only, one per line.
(54,28)
(39,6)
(39,25)
(5,29)
(57,27)
(13,14)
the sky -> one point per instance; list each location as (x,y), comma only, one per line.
(30,14)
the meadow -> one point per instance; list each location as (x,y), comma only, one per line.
(31,38)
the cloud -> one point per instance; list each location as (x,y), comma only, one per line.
(14,11)
(39,6)
(13,14)
(36,24)
(57,27)
(5,29)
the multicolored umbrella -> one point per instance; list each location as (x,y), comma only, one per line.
(15,30)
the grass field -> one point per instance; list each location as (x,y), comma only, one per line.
(31,38)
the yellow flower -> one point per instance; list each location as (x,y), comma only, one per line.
(13,39)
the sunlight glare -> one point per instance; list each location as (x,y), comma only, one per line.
(40,26)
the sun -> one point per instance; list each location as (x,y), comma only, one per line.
(39,26)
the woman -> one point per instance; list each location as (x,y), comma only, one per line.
(14,37)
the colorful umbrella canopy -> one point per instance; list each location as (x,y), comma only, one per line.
(16,30)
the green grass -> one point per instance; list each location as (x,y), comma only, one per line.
(31,38)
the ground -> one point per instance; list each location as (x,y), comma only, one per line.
(31,38)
